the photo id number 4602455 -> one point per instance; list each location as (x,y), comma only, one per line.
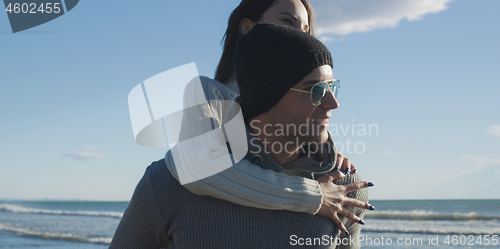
(463,240)
(33,8)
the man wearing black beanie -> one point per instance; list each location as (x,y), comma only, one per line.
(276,69)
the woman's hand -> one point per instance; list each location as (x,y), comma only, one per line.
(334,198)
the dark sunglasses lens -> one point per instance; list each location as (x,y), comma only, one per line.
(318,93)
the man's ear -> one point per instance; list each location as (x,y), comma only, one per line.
(246,25)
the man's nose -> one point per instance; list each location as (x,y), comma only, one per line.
(330,101)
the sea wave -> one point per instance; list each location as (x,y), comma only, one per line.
(19,209)
(432,230)
(55,236)
(426,215)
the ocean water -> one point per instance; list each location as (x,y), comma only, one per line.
(51,224)
(433,224)
(405,224)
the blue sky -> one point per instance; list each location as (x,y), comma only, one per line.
(424,72)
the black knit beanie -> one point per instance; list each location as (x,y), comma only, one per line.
(269,60)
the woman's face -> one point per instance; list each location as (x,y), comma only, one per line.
(291,13)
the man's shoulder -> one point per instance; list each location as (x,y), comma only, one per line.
(156,167)
(159,177)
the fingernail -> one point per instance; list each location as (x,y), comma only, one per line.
(336,168)
(347,233)
(361,222)
(372,207)
(354,171)
(347,171)
(370,184)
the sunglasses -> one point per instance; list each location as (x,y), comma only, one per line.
(319,90)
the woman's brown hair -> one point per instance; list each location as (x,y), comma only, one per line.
(253,10)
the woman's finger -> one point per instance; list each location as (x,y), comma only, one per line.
(338,223)
(330,177)
(357,185)
(353,169)
(357,203)
(346,165)
(346,213)
(340,161)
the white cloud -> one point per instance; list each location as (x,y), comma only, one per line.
(342,17)
(84,155)
(326,39)
(494,130)
(481,160)
(390,152)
